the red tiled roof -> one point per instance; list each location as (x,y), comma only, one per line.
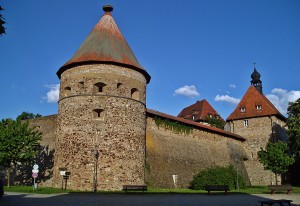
(195,125)
(105,44)
(200,110)
(250,101)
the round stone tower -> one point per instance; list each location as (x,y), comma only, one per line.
(102,113)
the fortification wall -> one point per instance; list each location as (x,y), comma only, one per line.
(22,174)
(170,153)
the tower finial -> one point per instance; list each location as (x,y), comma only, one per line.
(254,65)
(107,8)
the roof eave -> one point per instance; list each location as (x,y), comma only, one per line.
(75,64)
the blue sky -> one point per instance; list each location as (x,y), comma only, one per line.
(193,49)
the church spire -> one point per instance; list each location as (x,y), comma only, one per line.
(256,82)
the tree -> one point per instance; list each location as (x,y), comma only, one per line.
(214,122)
(18,143)
(275,158)
(2,22)
(293,124)
(27,115)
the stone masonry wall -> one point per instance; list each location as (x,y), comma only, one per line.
(45,157)
(110,121)
(171,153)
(258,133)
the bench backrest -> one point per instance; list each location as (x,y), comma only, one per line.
(217,187)
(280,187)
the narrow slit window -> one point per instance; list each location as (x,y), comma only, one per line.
(81,85)
(135,94)
(67,91)
(99,87)
(98,114)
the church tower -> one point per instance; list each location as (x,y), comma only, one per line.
(256,119)
(102,113)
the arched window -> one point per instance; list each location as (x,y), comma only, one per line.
(67,91)
(119,85)
(99,87)
(98,114)
(135,94)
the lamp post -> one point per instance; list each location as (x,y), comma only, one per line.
(96,155)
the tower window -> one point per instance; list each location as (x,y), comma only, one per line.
(67,91)
(135,94)
(98,114)
(258,107)
(246,123)
(99,87)
(243,109)
(81,85)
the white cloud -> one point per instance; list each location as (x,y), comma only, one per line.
(189,91)
(226,98)
(232,86)
(53,94)
(281,98)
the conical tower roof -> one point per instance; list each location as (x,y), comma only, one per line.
(105,44)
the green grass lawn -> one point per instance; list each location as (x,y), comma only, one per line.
(47,190)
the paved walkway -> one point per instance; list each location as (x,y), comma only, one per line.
(90,199)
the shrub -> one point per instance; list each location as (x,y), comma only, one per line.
(217,176)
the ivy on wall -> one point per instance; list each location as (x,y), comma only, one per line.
(174,126)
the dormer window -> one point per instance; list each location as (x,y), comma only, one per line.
(193,116)
(210,116)
(243,109)
(217,117)
(258,107)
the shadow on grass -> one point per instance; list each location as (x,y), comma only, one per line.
(139,198)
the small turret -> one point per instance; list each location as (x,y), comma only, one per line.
(256,82)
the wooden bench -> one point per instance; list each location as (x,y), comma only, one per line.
(271,202)
(276,188)
(127,188)
(224,188)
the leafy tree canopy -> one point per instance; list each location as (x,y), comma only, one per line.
(27,115)
(275,157)
(18,142)
(2,22)
(214,122)
(293,124)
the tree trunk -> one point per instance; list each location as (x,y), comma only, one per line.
(276,179)
(8,176)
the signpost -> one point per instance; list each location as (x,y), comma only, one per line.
(35,172)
